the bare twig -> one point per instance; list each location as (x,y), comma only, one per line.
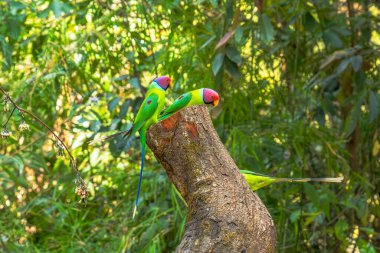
(10,115)
(80,183)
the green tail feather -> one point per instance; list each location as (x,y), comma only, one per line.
(257,181)
(302,180)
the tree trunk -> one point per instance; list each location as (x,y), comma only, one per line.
(224,214)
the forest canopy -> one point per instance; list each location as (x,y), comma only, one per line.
(299,86)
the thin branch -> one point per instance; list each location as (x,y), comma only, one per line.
(81,186)
(10,115)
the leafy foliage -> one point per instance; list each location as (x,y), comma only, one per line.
(300,97)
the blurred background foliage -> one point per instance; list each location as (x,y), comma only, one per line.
(299,82)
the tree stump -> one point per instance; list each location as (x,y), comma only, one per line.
(224,214)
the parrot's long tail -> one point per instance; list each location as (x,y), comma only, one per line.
(324,180)
(143,144)
(105,138)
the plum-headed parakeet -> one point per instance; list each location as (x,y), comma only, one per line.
(195,97)
(146,116)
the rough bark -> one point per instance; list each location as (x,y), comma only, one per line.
(224,214)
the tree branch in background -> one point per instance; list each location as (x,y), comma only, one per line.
(81,188)
(224,214)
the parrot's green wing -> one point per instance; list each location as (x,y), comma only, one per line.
(177,105)
(146,111)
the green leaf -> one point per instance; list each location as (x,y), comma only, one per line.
(53,75)
(207,42)
(15,6)
(340,229)
(229,11)
(365,246)
(124,108)
(113,103)
(239,34)
(95,156)
(233,54)
(356,62)
(7,53)
(14,27)
(13,166)
(114,124)
(342,66)
(120,78)
(14,161)
(34,161)
(324,203)
(332,39)
(312,194)
(233,69)
(309,22)
(56,8)
(134,82)
(266,29)
(352,120)
(294,216)
(95,126)
(373,106)
(217,63)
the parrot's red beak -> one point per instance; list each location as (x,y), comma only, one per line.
(215,103)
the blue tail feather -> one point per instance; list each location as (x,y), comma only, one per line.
(143,144)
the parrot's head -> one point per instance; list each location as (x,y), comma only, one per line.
(210,97)
(164,82)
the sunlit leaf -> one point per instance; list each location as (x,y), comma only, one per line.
(120,78)
(113,103)
(135,82)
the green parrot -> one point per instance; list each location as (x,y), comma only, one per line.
(146,116)
(195,97)
(257,181)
